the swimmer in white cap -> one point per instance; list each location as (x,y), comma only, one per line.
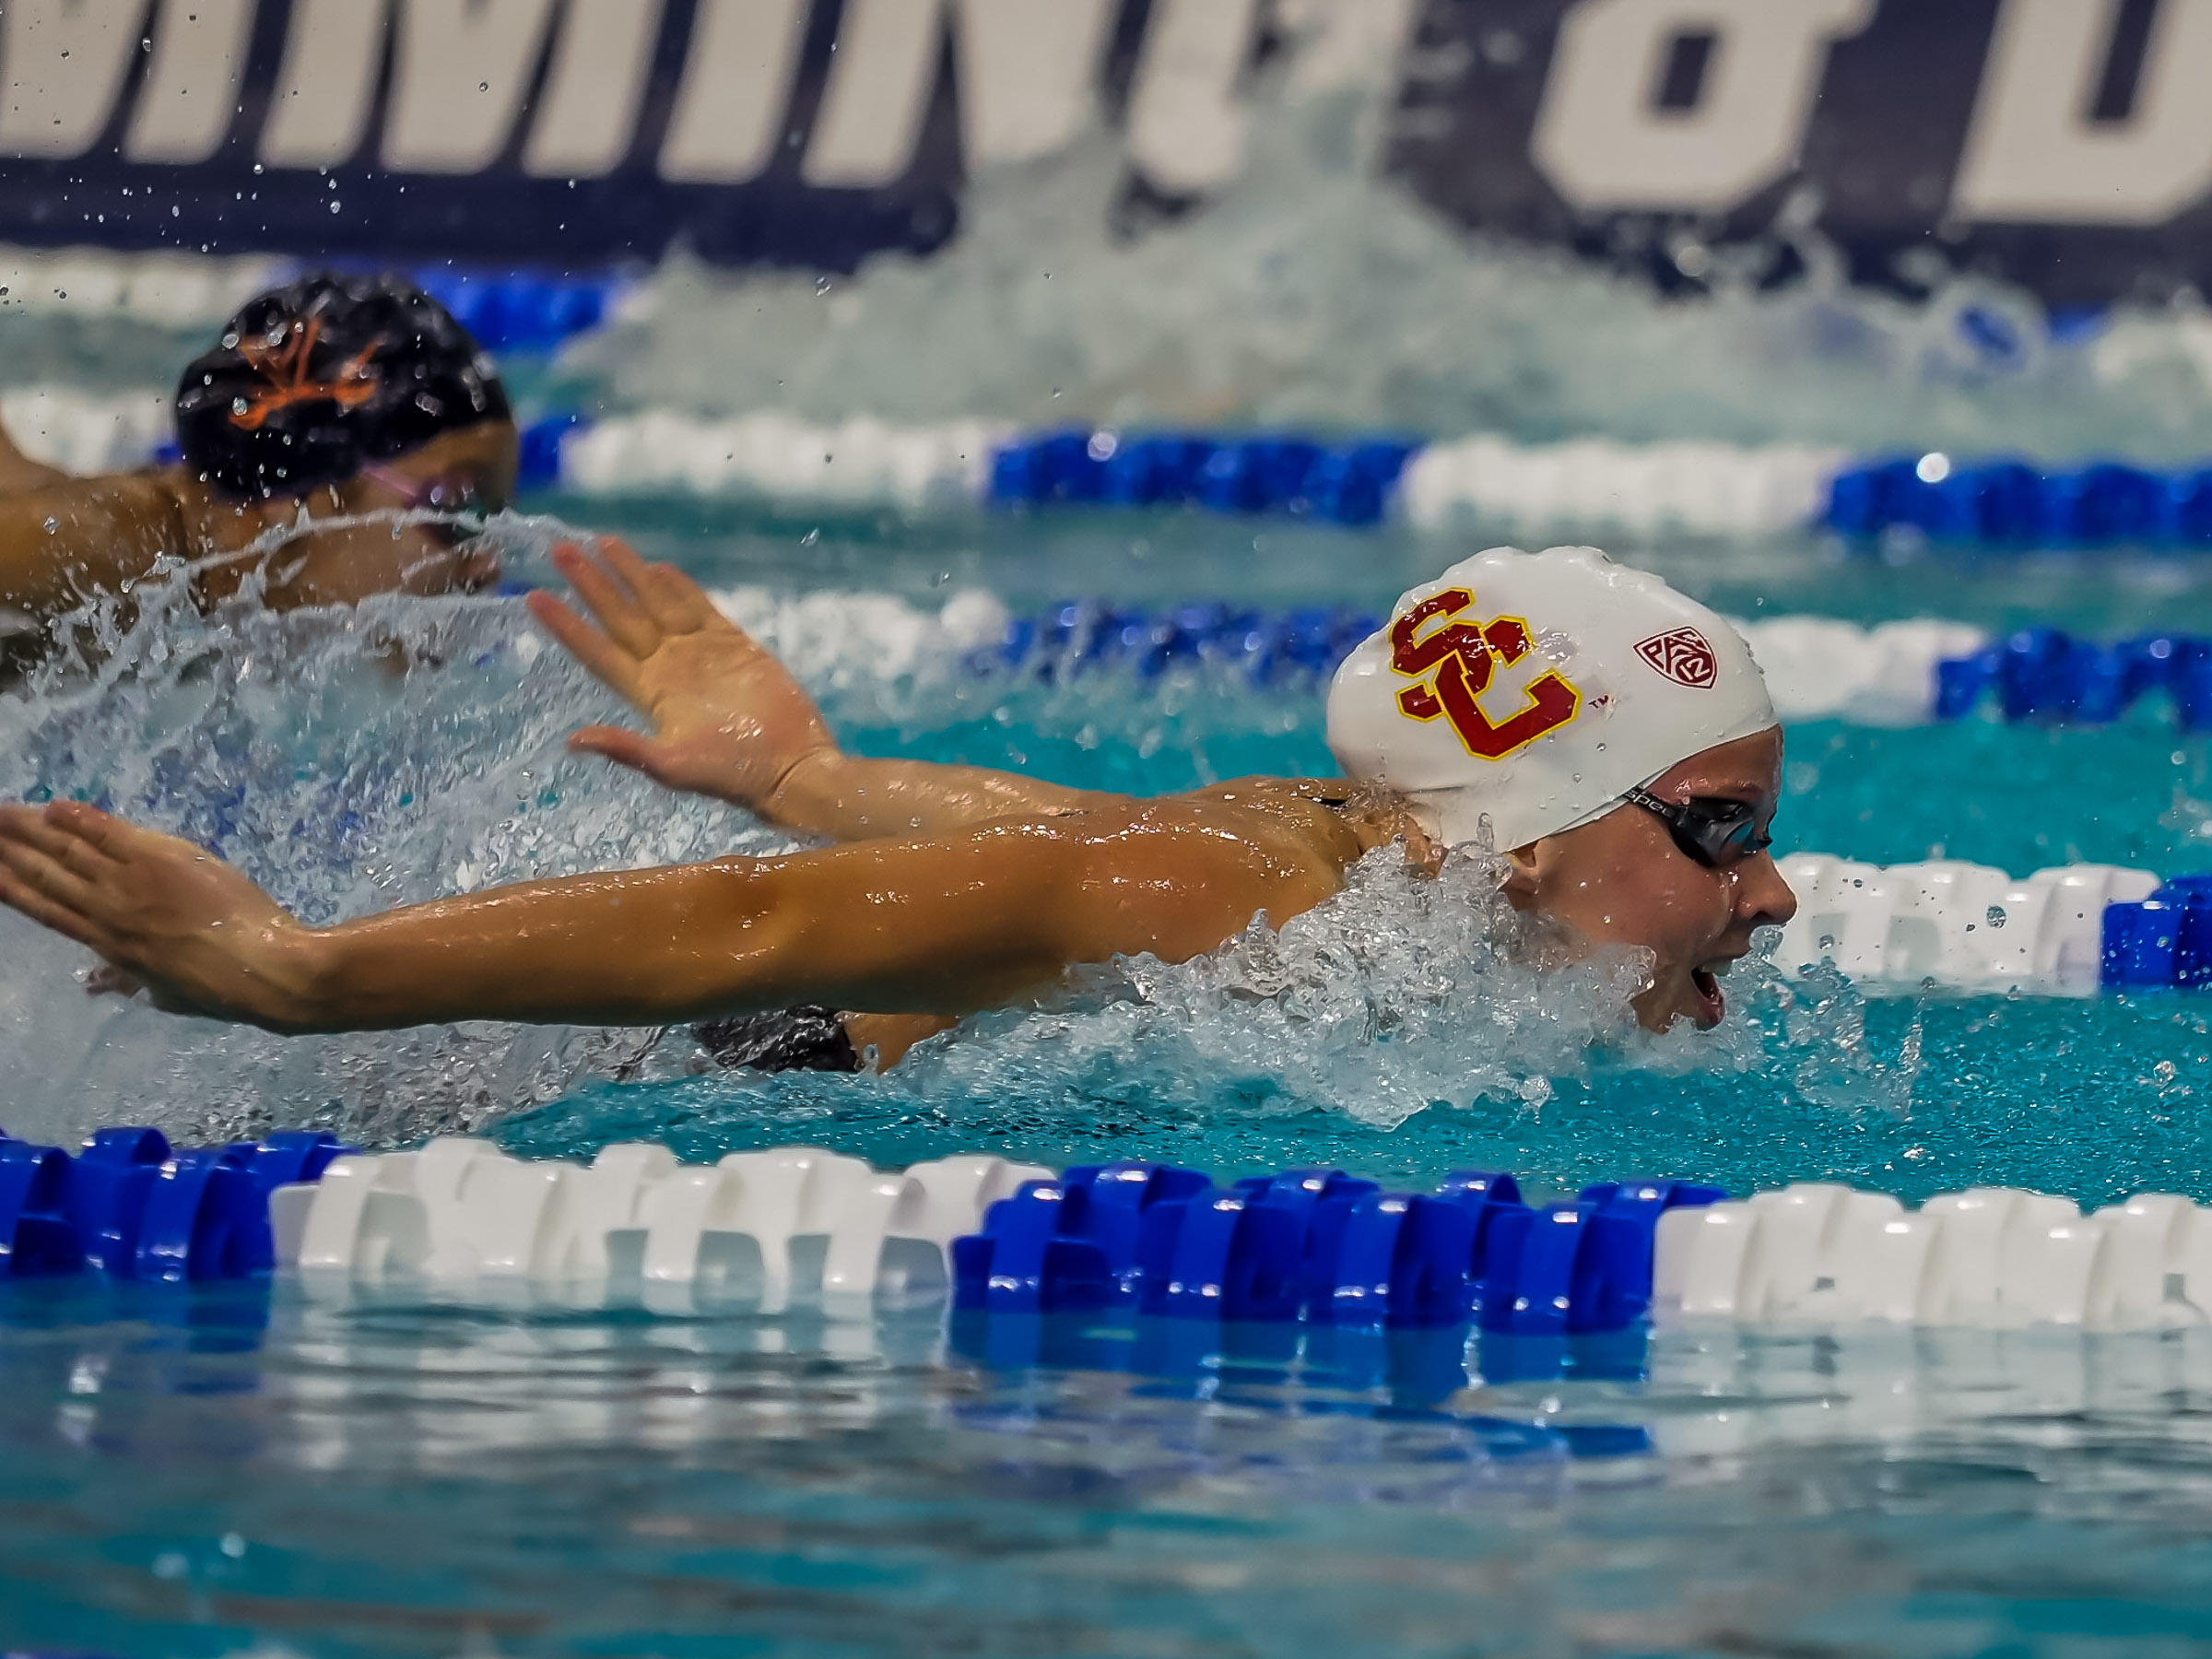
(1609,737)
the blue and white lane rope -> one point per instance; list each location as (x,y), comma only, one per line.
(1706,488)
(804,1226)
(1902,673)
(1480,482)
(506,309)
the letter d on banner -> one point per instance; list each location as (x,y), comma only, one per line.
(2034,155)
(1605,143)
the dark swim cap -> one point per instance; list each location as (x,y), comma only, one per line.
(313,381)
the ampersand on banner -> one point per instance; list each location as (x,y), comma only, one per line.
(1462,656)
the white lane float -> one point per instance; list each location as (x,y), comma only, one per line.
(797,1226)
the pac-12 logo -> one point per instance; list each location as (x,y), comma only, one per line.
(1683,655)
(1463,656)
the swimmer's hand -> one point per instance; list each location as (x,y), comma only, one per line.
(165,916)
(729,719)
(730,722)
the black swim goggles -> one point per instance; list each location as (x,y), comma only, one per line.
(1709,829)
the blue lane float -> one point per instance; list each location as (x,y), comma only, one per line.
(1265,646)
(132,1206)
(2164,943)
(2047,675)
(1321,1246)
(1340,482)
(522,310)
(2013,502)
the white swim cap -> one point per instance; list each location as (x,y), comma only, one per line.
(1535,690)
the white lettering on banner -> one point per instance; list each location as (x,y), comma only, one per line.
(334,55)
(1605,145)
(190,98)
(1027,68)
(1025,71)
(1186,129)
(729,110)
(1346,42)
(463,72)
(877,92)
(589,111)
(64,62)
(2034,157)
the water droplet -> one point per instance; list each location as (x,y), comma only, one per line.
(53,525)
(483,85)
(821,285)
(1996,915)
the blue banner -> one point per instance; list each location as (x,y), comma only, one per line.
(2063,145)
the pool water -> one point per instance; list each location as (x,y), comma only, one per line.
(240,1470)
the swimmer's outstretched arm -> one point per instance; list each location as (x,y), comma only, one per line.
(730,722)
(939,926)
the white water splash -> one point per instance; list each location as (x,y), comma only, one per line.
(1400,993)
(349,761)
(1312,294)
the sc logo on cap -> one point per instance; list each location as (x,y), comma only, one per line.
(1461,657)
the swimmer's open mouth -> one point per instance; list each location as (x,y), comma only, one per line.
(1712,1003)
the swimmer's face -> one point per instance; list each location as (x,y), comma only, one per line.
(1623,880)
(473,469)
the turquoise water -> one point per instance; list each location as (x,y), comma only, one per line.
(242,1469)
(239,1471)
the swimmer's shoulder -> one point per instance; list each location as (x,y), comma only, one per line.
(1326,818)
(1328,814)
(1333,792)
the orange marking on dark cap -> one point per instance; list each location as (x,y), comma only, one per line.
(285,367)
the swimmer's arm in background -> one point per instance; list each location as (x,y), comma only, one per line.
(19,473)
(105,531)
(730,722)
(940,926)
